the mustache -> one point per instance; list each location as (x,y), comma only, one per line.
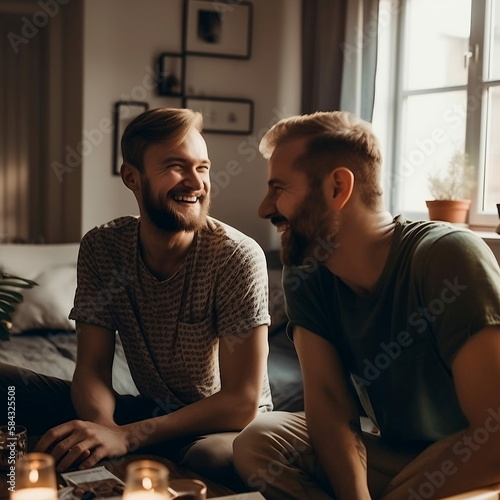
(278,219)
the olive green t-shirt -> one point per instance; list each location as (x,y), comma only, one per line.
(440,285)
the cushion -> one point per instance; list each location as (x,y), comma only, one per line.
(53,267)
(47,305)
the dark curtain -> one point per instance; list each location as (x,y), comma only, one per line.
(323,33)
(360,58)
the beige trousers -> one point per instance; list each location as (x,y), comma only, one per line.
(274,456)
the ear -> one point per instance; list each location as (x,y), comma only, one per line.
(130,176)
(340,183)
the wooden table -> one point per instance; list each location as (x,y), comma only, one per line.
(118,468)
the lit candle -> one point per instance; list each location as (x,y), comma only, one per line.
(38,493)
(146,480)
(145,495)
(35,478)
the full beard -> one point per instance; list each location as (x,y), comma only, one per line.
(313,228)
(166,218)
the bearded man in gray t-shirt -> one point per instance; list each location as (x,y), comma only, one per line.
(188,297)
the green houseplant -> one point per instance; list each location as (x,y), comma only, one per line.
(451,189)
(9,298)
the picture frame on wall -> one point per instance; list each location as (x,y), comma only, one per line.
(123,113)
(218,29)
(223,116)
(170,74)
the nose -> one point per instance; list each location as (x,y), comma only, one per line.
(194,180)
(266,208)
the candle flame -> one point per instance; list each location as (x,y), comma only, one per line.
(147,484)
(33,476)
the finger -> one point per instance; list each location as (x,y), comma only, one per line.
(78,452)
(53,435)
(95,456)
(69,445)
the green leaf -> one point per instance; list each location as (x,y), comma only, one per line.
(8,297)
(6,306)
(4,315)
(6,276)
(11,296)
(16,284)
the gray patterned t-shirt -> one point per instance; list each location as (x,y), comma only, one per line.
(171,329)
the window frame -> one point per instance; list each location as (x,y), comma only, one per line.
(476,112)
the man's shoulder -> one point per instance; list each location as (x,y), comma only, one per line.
(121,225)
(221,237)
(117,233)
(435,236)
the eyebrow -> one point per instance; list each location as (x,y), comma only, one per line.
(274,182)
(182,159)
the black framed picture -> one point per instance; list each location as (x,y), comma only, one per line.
(171,71)
(123,113)
(224,116)
(218,29)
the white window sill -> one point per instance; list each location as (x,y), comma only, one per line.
(492,239)
(488,235)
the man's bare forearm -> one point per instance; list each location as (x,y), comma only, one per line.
(217,413)
(93,400)
(346,466)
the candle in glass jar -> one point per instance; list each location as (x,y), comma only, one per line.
(39,493)
(146,495)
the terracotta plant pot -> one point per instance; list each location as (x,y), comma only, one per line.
(448,210)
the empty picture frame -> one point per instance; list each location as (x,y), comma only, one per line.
(170,75)
(218,28)
(123,113)
(224,116)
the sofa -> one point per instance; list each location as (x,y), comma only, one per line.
(43,338)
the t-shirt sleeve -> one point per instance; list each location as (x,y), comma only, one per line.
(242,291)
(460,283)
(305,300)
(92,297)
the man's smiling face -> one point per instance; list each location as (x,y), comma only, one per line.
(296,206)
(175,184)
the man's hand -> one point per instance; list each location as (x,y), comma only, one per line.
(83,443)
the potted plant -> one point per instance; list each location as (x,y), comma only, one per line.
(8,299)
(451,190)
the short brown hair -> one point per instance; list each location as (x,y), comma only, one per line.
(334,139)
(154,126)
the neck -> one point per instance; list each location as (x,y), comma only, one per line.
(364,242)
(162,252)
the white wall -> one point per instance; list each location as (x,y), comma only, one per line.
(122,39)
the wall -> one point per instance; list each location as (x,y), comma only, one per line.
(122,39)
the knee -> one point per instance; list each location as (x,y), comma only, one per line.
(261,444)
(9,376)
(212,456)
(212,452)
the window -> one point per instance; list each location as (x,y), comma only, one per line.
(437,91)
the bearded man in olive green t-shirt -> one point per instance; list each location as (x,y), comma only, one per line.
(399,318)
